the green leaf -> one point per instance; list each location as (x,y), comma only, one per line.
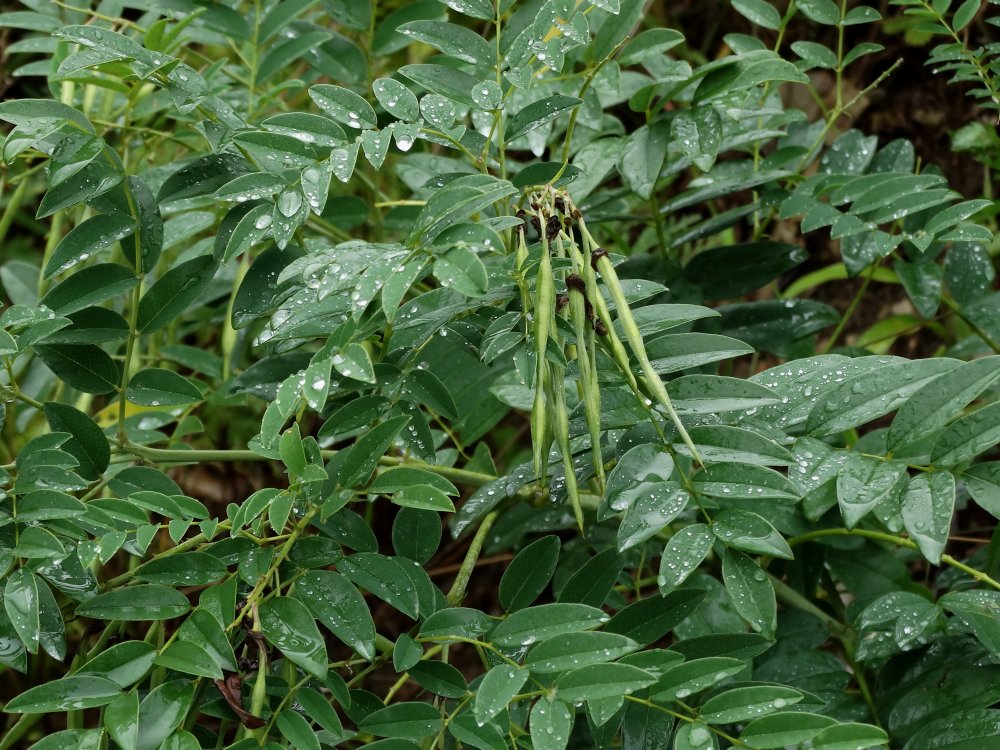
(90,286)
(403,720)
(643,156)
(250,187)
(935,403)
(978,611)
(401,477)
(601,681)
(497,689)
(683,680)
(695,736)
(539,113)
(864,483)
(85,240)
(439,678)
(38,113)
(363,456)
(21,602)
(162,711)
(174,292)
(759,12)
(742,704)
(286,623)
(649,43)
(978,728)
(86,367)
(850,737)
(318,709)
(869,394)
(121,719)
(424,497)
(142,602)
(527,626)
(384,577)
(746,481)
(124,663)
(640,467)
(344,106)
(185,569)
(784,728)
(751,591)
(460,269)
(682,555)
(820,11)
(335,602)
(647,620)
(439,79)
(296,730)
(927,508)
(66,694)
(529,573)
(751,533)
(968,436)
(203,629)
(712,394)
(202,176)
(656,505)
(457,41)
(88,443)
(155,386)
(189,658)
(566,652)
(593,581)
(550,725)
(720,443)
(699,132)
(396,98)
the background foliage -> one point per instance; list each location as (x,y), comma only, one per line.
(530,374)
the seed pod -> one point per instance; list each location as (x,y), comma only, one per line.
(603,264)
(552,228)
(560,429)
(589,388)
(544,317)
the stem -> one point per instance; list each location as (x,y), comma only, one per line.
(866,280)
(457,591)
(899,541)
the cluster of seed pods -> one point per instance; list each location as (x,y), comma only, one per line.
(563,233)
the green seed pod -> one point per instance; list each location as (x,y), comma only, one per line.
(560,429)
(589,388)
(544,316)
(634,337)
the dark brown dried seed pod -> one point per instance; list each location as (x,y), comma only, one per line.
(552,228)
(596,255)
(560,204)
(599,328)
(561,301)
(576,283)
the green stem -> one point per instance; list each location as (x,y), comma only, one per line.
(849,312)
(899,541)
(457,591)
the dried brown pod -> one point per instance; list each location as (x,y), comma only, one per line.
(576,283)
(231,689)
(552,228)
(596,255)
